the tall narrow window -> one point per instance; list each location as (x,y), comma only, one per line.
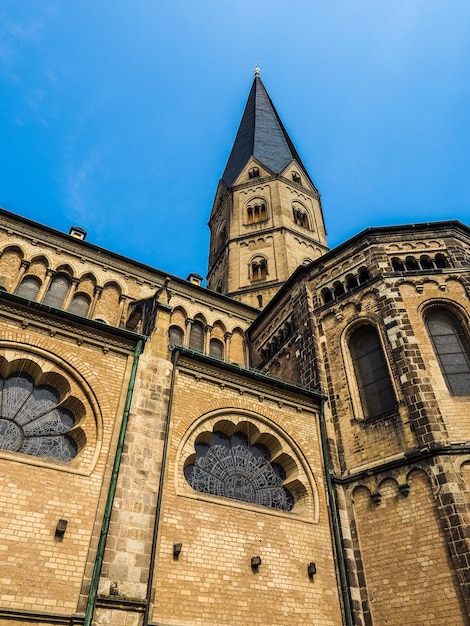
(29,287)
(57,291)
(196,337)
(216,348)
(175,336)
(452,349)
(372,375)
(80,304)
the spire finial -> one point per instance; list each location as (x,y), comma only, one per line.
(257,71)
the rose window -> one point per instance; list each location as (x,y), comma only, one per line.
(34,421)
(231,467)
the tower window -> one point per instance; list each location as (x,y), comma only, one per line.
(259,269)
(300,217)
(296,177)
(372,375)
(254,172)
(256,213)
(452,349)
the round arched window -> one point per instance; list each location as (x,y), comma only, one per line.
(231,467)
(34,421)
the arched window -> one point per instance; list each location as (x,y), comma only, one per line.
(80,304)
(33,420)
(452,349)
(338,289)
(57,291)
(256,212)
(441,261)
(175,336)
(216,348)
(426,262)
(196,336)
(296,177)
(363,275)
(397,265)
(351,282)
(29,287)
(411,264)
(372,375)
(259,268)
(326,295)
(233,467)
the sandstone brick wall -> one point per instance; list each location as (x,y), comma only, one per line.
(212,582)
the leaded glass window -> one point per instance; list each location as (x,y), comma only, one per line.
(372,375)
(452,350)
(32,420)
(196,337)
(80,304)
(216,348)
(57,291)
(176,336)
(29,287)
(232,467)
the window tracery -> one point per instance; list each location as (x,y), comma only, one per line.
(232,467)
(34,421)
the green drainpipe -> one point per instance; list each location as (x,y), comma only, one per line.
(334,519)
(112,490)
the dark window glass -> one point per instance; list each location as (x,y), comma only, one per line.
(216,348)
(29,288)
(196,337)
(373,378)
(57,291)
(176,336)
(32,420)
(452,350)
(80,304)
(234,468)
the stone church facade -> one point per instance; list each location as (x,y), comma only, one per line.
(289,445)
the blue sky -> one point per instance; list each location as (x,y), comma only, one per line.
(119,117)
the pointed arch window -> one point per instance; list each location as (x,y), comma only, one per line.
(176,336)
(216,348)
(57,291)
(452,347)
(371,371)
(196,336)
(80,304)
(29,287)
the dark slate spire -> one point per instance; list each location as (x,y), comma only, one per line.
(261,135)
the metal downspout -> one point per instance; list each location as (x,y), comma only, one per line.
(334,519)
(112,490)
(158,507)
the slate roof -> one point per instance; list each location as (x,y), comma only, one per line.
(261,135)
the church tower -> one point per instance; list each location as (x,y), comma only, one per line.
(267,218)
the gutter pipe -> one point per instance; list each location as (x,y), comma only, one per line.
(334,519)
(111,492)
